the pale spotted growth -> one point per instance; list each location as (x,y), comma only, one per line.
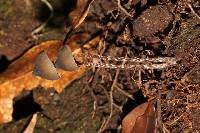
(127,63)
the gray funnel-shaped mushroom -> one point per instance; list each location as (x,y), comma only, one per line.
(45,68)
(65,59)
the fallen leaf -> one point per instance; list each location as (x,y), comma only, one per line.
(18,76)
(78,15)
(142,119)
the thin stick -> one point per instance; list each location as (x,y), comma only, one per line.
(123,9)
(174,121)
(111,102)
(159,120)
(42,26)
(191,8)
(95,105)
(31,126)
(124,92)
(165,130)
(114,84)
(118,107)
(103,123)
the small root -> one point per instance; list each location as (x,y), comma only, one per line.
(159,120)
(124,92)
(42,26)
(105,124)
(165,130)
(102,125)
(123,9)
(118,107)
(193,12)
(174,121)
(94,109)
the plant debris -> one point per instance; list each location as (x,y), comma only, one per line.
(141,119)
(159,39)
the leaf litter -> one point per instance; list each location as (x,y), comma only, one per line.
(176,87)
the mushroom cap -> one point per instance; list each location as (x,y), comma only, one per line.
(65,59)
(44,68)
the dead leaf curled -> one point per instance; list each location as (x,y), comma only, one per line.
(142,119)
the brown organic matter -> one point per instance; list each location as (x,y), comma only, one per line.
(161,99)
(151,21)
(142,119)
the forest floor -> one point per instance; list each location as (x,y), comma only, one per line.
(126,28)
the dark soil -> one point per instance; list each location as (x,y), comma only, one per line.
(165,28)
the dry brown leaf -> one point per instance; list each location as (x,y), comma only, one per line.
(142,119)
(79,14)
(19,76)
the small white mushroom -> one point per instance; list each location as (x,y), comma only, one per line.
(45,68)
(65,59)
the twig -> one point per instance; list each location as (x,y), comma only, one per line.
(130,63)
(165,129)
(123,9)
(139,78)
(118,107)
(42,26)
(174,121)
(159,120)
(124,92)
(104,125)
(130,60)
(31,125)
(170,34)
(129,80)
(95,106)
(191,8)
(114,84)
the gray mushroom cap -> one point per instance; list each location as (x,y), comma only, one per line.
(65,59)
(44,68)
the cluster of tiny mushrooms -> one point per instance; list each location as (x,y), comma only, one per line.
(46,69)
